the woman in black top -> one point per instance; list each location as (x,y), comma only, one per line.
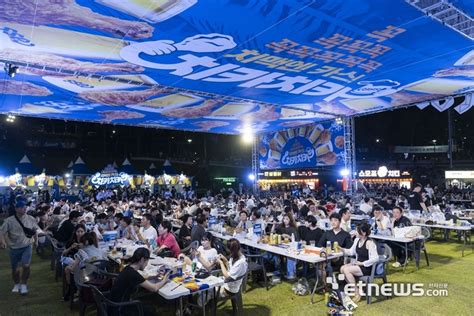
(366,254)
(184,236)
(72,246)
(129,280)
(287,228)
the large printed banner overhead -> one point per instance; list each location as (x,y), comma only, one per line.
(225,66)
(303,147)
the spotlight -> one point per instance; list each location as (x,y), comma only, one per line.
(339,120)
(190,140)
(247,134)
(247,138)
(11,70)
(251,177)
(67,175)
(344,172)
(10,118)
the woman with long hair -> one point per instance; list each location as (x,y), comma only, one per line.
(67,257)
(288,229)
(233,268)
(206,254)
(73,245)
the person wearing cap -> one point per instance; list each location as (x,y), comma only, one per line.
(21,231)
(66,228)
(415,199)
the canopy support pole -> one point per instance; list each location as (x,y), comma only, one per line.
(255,166)
(450,139)
(349,153)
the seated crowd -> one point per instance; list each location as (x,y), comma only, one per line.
(167,225)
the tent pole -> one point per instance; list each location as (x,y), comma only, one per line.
(255,162)
(450,139)
(349,152)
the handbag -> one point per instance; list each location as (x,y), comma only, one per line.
(27,231)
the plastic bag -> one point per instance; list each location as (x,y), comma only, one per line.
(301,287)
(407,232)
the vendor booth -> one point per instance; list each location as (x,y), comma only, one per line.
(169,177)
(459,178)
(285,179)
(384,175)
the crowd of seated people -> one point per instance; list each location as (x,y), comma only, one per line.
(168,224)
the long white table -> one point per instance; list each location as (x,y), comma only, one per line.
(404,242)
(465,230)
(283,251)
(171,290)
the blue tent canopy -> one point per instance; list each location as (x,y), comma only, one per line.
(168,168)
(230,66)
(152,170)
(128,168)
(25,167)
(79,168)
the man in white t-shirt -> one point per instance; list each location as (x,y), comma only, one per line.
(147,233)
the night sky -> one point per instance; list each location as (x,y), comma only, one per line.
(100,144)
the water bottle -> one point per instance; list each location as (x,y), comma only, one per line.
(222,226)
(328,247)
(194,265)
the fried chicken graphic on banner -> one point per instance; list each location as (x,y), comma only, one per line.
(121,98)
(24,88)
(69,13)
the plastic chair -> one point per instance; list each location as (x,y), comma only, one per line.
(192,245)
(86,273)
(379,269)
(104,304)
(57,250)
(236,298)
(256,263)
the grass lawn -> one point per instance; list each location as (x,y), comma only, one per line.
(447,266)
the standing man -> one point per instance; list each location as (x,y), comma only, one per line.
(415,199)
(19,231)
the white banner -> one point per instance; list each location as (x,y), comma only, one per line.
(422,149)
(459,174)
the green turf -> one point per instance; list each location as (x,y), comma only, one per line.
(447,266)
